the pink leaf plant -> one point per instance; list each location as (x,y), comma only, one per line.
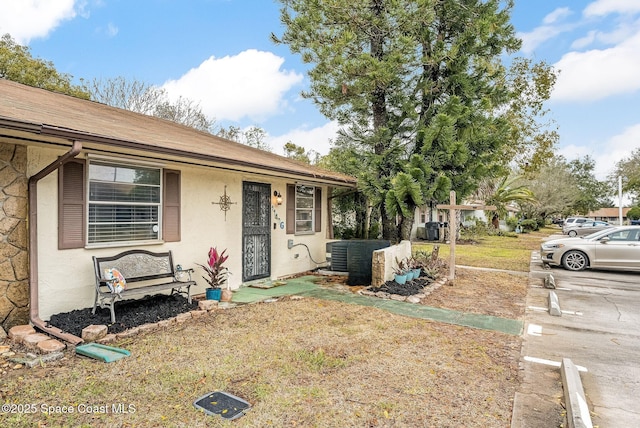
(217,273)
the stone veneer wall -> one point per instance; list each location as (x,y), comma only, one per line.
(14,256)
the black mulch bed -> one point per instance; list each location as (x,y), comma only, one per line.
(407,289)
(129,314)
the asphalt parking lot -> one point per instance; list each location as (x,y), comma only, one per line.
(599,330)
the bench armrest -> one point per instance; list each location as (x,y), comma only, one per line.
(177,275)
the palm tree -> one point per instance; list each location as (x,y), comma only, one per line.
(502,193)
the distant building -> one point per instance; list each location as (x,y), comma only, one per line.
(610,215)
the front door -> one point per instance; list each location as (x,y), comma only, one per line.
(256,233)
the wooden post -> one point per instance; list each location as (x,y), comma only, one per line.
(453,227)
(453,233)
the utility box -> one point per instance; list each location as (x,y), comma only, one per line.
(360,257)
(355,257)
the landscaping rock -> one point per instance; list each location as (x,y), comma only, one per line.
(31,341)
(180,318)
(94,332)
(197,314)
(50,346)
(207,305)
(109,338)
(149,327)
(19,332)
(128,333)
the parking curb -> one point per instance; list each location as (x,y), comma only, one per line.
(577,409)
(554,304)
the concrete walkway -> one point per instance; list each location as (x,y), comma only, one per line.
(305,286)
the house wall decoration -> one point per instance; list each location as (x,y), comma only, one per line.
(225,203)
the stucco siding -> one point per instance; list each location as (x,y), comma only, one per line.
(66,279)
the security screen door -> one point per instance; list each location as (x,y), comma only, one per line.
(256,231)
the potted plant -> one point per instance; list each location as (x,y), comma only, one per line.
(416,266)
(216,273)
(400,271)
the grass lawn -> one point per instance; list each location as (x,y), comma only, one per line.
(304,362)
(497,252)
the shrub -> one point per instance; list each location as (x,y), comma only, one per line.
(529,225)
(512,222)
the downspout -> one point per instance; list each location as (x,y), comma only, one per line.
(33,246)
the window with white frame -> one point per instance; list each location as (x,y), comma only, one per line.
(305,199)
(124,203)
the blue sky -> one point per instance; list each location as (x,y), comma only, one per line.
(218,52)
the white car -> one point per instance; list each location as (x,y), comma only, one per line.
(617,247)
(571,222)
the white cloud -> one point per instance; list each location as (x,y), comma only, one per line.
(585,41)
(248,85)
(112,30)
(550,29)
(29,19)
(557,15)
(606,7)
(599,73)
(317,139)
(610,151)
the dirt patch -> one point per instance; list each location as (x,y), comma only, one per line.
(483,292)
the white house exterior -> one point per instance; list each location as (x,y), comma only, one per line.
(102,180)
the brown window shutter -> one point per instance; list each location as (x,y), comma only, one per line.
(291,208)
(171,206)
(318,208)
(71,204)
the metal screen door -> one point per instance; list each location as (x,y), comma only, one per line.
(256,231)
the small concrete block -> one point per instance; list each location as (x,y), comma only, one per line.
(50,346)
(54,356)
(180,318)
(19,332)
(31,341)
(554,304)
(93,333)
(207,305)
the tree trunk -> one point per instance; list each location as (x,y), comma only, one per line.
(389,230)
(406,225)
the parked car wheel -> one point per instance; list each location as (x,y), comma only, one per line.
(572,233)
(575,260)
